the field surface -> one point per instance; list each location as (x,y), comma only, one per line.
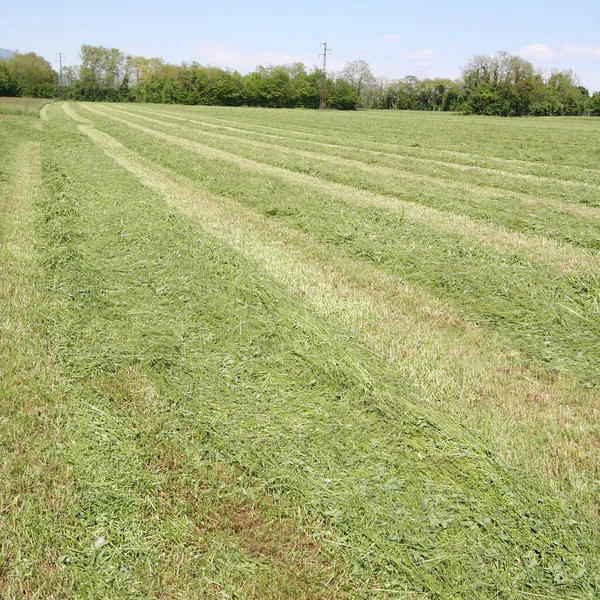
(29,107)
(250,353)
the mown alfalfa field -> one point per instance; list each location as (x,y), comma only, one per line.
(260,354)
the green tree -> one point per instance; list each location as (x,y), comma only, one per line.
(499,84)
(565,94)
(407,93)
(270,87)
(496,84)
(359,77)
(594,105)
(341,95)
(33,75)
(229,89)
(103,72)
(8,85)
(306,86)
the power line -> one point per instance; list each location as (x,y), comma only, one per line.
(323,103)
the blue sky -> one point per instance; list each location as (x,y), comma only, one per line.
(426,39)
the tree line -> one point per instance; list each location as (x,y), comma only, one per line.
(498,84)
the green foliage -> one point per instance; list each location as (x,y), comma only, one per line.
(104,75)
(411,93)
(499,84)
(28,75)
(506,85)
(306,86)
(358,75)
(565,95)
(342,95)
(8,84)
(270,87)
(594,105)
(282,86)
(229,89)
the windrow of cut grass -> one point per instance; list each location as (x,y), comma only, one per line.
(32,508)
(565,184)
(523,143)
(419,505)
(549,315)
(450,364)
(563,256)
(514,212)
(107,487)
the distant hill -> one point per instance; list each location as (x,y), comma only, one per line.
(4,53)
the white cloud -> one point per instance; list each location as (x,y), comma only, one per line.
(581,58)
(391,37)
(541,52)
(571,51)
(224,55)
(420,55)
(536,52)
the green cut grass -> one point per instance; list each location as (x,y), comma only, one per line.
(455,193)
(104,494)
(549,315)
(196,423)
(522,143)
(569,184)
(336,432)
(454,365)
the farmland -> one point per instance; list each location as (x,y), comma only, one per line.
(263,353)
(29,107)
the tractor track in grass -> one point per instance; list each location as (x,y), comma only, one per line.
(562,256)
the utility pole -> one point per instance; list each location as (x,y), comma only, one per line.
(60,72)
(323,103)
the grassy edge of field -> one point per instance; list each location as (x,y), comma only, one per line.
(24,107)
